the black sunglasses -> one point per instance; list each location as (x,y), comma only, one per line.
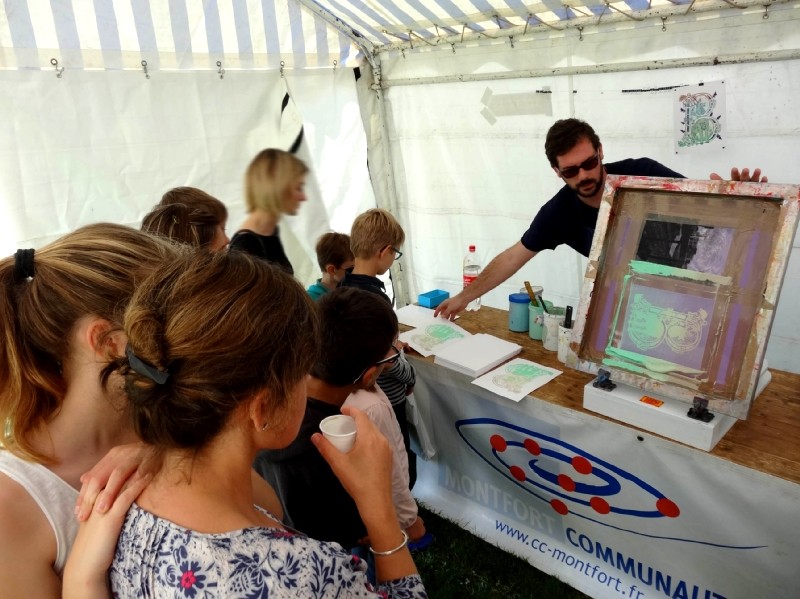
(390,360)
(587,165)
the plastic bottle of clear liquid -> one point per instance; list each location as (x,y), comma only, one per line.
(472,269)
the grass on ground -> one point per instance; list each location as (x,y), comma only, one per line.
(461,565)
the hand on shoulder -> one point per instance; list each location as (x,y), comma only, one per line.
(85,574)
(103,482)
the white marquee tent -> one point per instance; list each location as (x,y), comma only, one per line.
(434,109)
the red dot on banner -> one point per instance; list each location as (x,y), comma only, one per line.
(581,465)
(498,443)
(566,483)
(600,505)
(517,473)
(532,447)
(668,508)
(559,506)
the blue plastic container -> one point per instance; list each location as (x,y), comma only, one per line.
(431,299)
(518,312)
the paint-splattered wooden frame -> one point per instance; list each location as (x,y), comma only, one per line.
(743,290)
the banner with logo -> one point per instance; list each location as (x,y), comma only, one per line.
(613,511)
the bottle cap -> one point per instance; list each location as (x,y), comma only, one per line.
(472,248)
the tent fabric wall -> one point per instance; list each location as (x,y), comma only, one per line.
(462,179)
(99,146)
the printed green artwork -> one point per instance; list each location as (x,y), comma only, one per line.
(700,124)
(434,335)
(518,375)
(649,326)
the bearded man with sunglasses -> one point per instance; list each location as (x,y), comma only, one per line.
(569,217)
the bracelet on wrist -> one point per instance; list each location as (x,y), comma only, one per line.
(392,551)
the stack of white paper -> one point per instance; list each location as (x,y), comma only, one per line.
(416,316)
(476,354)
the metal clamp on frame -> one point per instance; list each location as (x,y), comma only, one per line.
(603,381)
(699,410)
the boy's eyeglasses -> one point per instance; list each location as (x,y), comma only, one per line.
(397,253)
(390,360)
(587,165)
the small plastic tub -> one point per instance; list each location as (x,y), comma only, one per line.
(431,299)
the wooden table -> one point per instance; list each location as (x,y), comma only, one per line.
(769,440)
(612,510)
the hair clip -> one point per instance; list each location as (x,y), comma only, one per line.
(146,370)
(23,265)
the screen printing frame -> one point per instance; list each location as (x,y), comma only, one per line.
(685,323)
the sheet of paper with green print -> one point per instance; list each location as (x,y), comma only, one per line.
(432,337)
(516,379)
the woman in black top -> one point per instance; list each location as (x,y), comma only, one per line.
(274,184)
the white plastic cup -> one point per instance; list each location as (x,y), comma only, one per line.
(550,330)
(564,336)
(340,430)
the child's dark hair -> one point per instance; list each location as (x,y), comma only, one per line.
(563,136)
(333,248)
(357,328)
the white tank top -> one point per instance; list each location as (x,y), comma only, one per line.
(54,496)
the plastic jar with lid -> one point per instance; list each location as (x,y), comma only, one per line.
(518,304)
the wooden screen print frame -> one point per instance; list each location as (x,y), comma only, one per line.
(682,284)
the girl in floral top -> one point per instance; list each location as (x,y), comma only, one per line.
(219,346)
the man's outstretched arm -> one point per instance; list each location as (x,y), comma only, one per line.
(498,270)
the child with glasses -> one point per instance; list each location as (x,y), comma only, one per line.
(344,374)
(375,239)
(335,259)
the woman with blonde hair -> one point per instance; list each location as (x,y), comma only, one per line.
(274,183)
(207,390)
(61,311)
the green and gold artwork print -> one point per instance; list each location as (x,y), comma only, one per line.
(515,376)
(700,123)
(649,326)
(435,335)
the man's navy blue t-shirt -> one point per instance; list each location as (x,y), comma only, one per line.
(566,219)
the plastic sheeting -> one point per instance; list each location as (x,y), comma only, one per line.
(98,146)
